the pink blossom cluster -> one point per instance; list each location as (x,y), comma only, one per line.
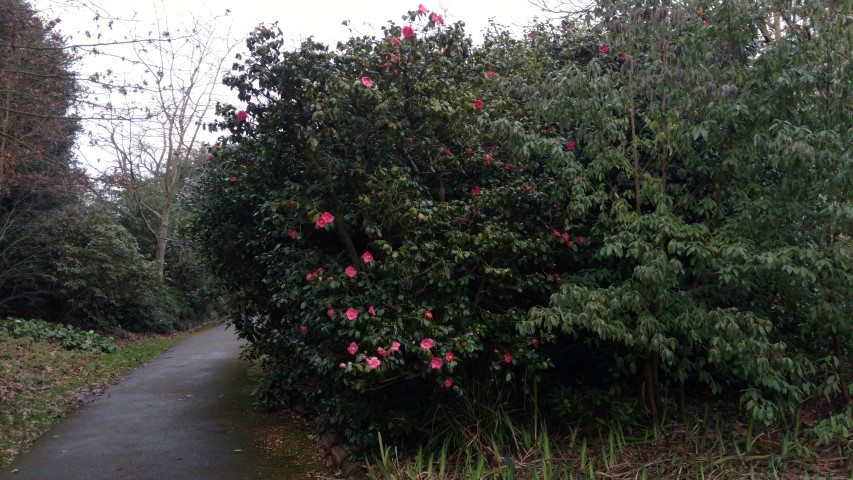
(325,219)
(314,274)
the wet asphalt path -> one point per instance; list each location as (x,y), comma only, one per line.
(178,417)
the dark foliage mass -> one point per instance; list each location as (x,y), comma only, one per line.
(64,254)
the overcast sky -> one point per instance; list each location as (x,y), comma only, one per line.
(297,19)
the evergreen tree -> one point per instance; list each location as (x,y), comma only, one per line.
(38,177)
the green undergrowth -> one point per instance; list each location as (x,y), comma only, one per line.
(41,382)
(68,337)
(709,445)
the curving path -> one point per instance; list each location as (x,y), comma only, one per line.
(181,416)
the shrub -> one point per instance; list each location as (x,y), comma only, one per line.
(403,216)
(68,337)
(382,246)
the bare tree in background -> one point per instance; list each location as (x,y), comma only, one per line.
(572,8)
(152,130)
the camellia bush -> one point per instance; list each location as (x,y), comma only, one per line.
(405,221)
(382,244)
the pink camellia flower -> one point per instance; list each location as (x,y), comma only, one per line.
(410,139)
(478,104)
(490,74)
(382,352)
(448,382)
(352,314)
(776,299)
(367,82)
(507,166)
(257,28)
(353,348)
(436,362)
(582,240)
(325,219)
(303,329)
(371,311)
(449,357)
(555,233)
(373,363)
(342,365)
(422,8)
(535,342)
(488,159)
(622,57)
(436,18)
(330,313)
(367,257)
(395,41)
(464,344)
(209,157)
(566,237)
(572,145)
(395,346)
(603,49)
(507,358)
(448,152)
(475,190)
(706,21)
(428,314)
(426,344)
(408,32)
(469,150)
(291,205)
(233,179)
(293,234)
(350,272)
(242,116)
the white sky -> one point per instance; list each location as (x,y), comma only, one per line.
(298,20)
(320,19)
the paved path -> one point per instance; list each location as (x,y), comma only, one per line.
(181,416)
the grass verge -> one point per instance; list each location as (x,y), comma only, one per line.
(700,449)
(42,382)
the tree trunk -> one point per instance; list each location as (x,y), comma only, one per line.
(650,375)
(839,355)
(161,236)
(4,129)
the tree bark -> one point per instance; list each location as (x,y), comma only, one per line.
(650,375)
(839,355)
